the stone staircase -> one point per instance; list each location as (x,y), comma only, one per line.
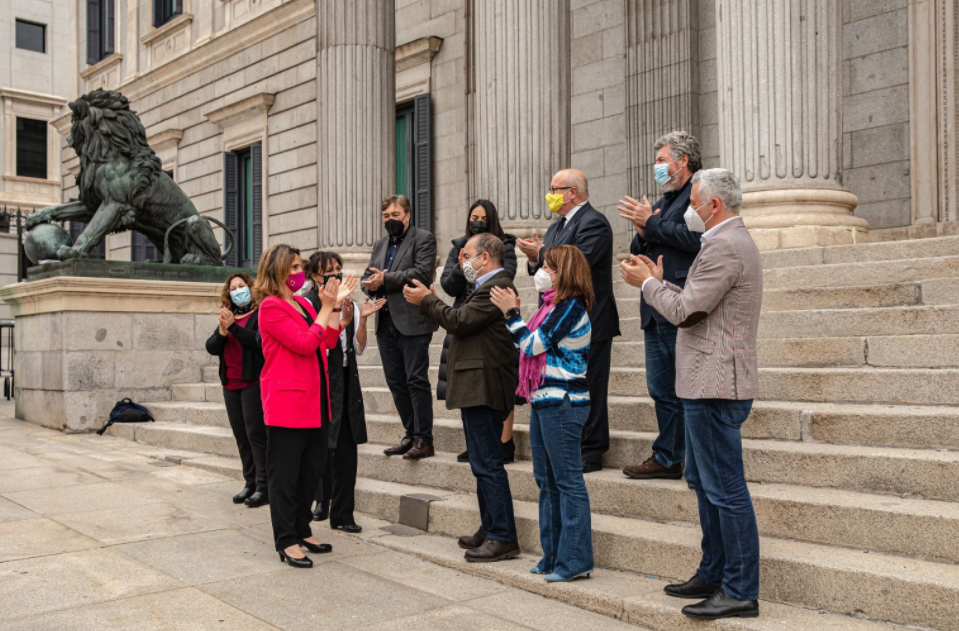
(852,453)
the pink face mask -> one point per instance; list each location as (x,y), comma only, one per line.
(295,281)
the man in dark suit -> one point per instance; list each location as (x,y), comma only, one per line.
(662,231)
(482,385)
(586,228)
(402,334)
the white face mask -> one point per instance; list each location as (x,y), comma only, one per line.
(468,271)
(694,222)
(542,281)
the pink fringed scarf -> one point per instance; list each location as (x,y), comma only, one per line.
(532,370)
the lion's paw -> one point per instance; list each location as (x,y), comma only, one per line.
(65,252)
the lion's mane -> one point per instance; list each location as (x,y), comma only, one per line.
(105,130)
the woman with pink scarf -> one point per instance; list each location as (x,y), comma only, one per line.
(554,348)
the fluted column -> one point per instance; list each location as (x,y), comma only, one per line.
(519,105)
(355,122)
(780,91)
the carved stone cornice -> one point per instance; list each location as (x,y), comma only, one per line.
(162,31)
(107,62)
(32,97)
(165,138)
(419,51)
(250,107)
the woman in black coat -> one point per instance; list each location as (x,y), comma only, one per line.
(236,343)
(482,217)
(335,498)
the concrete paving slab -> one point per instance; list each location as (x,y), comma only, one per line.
(81,498)
(95,465)
(452,618)
(34,586)
(328,597)
(344,546)
(207,557)
(12,459)
(11,511)
(138,523)
(28,538)
(544,614)
(422,575)
(200,501)
(180,610)
(45,477)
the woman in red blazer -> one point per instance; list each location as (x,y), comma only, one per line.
(295,386)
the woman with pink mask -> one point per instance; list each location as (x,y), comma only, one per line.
(295,389)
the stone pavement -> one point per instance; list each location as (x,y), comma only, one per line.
(101,533)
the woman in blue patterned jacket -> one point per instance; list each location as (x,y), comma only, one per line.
(554,349)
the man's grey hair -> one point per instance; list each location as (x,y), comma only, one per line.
(722,184)
(486,242)
(682,144)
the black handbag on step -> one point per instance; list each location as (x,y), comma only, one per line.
(126,411)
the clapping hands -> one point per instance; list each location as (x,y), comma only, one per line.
(505,299)
(637,268)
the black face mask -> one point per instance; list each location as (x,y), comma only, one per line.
(327,277)
(479,227)
(395,227)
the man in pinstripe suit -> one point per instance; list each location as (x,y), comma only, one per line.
(717,313)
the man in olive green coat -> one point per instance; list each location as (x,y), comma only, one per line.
(482,385)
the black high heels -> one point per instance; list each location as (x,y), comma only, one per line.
(322,548)
(304,563)
(240,497)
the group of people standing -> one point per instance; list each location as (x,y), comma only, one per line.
(701,282)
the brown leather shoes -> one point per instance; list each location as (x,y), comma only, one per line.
(421,449)
(405,445)
(651,469)
(493,551)
(470,542)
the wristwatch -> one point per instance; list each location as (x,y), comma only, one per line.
(512,312)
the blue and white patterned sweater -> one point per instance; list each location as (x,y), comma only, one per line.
(564,337)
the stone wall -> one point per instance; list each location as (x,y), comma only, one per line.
(876,110)
(8,266)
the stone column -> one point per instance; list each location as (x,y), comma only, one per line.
(355,123)
(519,105)
(780,92)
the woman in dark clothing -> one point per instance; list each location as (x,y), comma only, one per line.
(335,495)
(482,217)
(241,360)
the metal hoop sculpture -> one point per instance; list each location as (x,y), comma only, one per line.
(168,258)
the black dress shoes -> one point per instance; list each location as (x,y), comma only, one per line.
(350,528)
(721,605)
(493,551)
(240,497)
(322,511)
(471,542)
(695,587)
(304,563)
(589,467)
(260,498)
(463,457)
(405,445)
(321,548)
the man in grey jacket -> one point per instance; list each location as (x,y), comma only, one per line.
(717,313)
(403,335)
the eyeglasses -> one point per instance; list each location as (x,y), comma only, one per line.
(553,189)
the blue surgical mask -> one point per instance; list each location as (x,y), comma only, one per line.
(661,173)
(241,296)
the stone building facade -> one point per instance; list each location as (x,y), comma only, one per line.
(839,116)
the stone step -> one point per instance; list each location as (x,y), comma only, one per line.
(866,273)
(627,596)
(211,374)
(198,392)
(635,598)
(192,412)
(920,386)
(912,527)
(862,252)
(878,586)
(887,470)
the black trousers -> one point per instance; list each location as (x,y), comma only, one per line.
(406,364)
(295,459)
(596,429)
(339,477)
(245,411)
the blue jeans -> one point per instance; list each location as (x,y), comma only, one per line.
(484,427)
(669,448)
(565,527)
(714,469)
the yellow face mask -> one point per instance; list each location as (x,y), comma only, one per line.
(554,201)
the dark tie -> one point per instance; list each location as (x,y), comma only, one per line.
(559,229)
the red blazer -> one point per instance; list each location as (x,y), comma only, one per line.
(290,381)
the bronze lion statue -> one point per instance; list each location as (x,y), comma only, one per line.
(122,187)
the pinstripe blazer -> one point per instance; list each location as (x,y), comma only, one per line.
(717,313)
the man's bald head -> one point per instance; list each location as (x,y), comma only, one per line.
(574,187)
(574,178)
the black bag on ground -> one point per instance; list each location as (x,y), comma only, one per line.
(126,411)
